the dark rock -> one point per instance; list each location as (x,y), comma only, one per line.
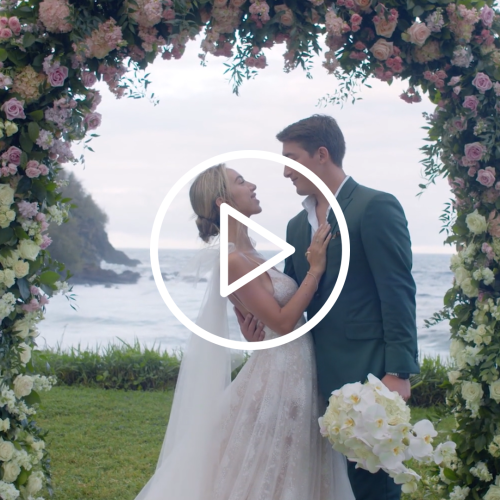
(98,276)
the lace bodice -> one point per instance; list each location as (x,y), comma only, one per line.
(284,289)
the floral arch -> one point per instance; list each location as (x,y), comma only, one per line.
(51,54)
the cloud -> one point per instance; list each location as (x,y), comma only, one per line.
(144,149)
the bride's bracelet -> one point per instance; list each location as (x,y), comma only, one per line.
(317,284)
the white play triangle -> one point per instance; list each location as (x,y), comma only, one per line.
(286,250)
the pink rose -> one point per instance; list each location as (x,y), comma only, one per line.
(419,32)
(471,102)
(44,170)
(356,19)
(486,176)
(32,169)
(472,171)
(13,109)
(5,33)
(494,224)
(454,80)
(491,195)
(385,28)
(487,15)
(457,182)
(15,25)
(382,49)
(57,75)
(482,82)
(47,240)
(31,306)
(4,22)
(359,46)
(88,78)
(474,151)
(169,14)
(488,250)
(363,4)
(459,123)
(13,155)
(93,120)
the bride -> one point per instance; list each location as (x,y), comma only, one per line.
(256,438)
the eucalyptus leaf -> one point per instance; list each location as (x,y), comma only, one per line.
(33,131)
(24,288)
(6,234)
(49,277)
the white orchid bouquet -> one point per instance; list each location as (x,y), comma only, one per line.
(371,426)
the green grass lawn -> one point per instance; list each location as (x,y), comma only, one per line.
(104,444)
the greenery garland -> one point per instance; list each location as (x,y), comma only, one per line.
(53,52)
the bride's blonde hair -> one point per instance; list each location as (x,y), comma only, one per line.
(206,188)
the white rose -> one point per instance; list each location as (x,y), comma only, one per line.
(4,424)
(8,491)
(382,49)
(456,261)
(35,483)
(488,276)
(459,493)
(9,278)
(6,450)
(470,288)
(10,471)
(461,274)
(25,353)
(472,391)
(495,391)
(453,376)
(28,249)
(23,385)
(476,222)
(419,32)
(493,493)
(6,195)
(10,260)
(21,268)
(22,328)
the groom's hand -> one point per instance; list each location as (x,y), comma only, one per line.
(401,386)
(251,328)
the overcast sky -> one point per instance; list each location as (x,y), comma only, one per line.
(144,149)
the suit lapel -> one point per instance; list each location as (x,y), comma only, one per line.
(301,245)
(344,198)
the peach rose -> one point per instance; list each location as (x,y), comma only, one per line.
(419,32)
(385,28)
(382,49)
(363,4)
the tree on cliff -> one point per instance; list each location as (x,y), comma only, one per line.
(82,243)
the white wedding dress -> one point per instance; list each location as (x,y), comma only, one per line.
(266,442)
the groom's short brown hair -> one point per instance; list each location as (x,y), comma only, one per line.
(314,132)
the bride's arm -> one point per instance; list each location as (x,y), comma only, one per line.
(261,303)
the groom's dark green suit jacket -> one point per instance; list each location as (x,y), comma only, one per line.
(371,328)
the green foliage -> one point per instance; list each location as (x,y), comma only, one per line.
(115,366)
(429,386)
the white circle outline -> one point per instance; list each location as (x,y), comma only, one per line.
(155,262)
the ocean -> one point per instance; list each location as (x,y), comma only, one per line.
(105,314)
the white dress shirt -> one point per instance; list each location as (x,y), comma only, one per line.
(309,205)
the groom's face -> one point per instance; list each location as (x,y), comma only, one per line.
(296,152)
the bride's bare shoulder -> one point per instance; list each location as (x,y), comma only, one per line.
(238,265)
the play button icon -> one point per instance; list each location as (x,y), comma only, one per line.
(227,211)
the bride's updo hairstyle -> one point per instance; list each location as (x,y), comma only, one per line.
(206,188)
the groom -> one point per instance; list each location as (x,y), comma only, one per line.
(371,328)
